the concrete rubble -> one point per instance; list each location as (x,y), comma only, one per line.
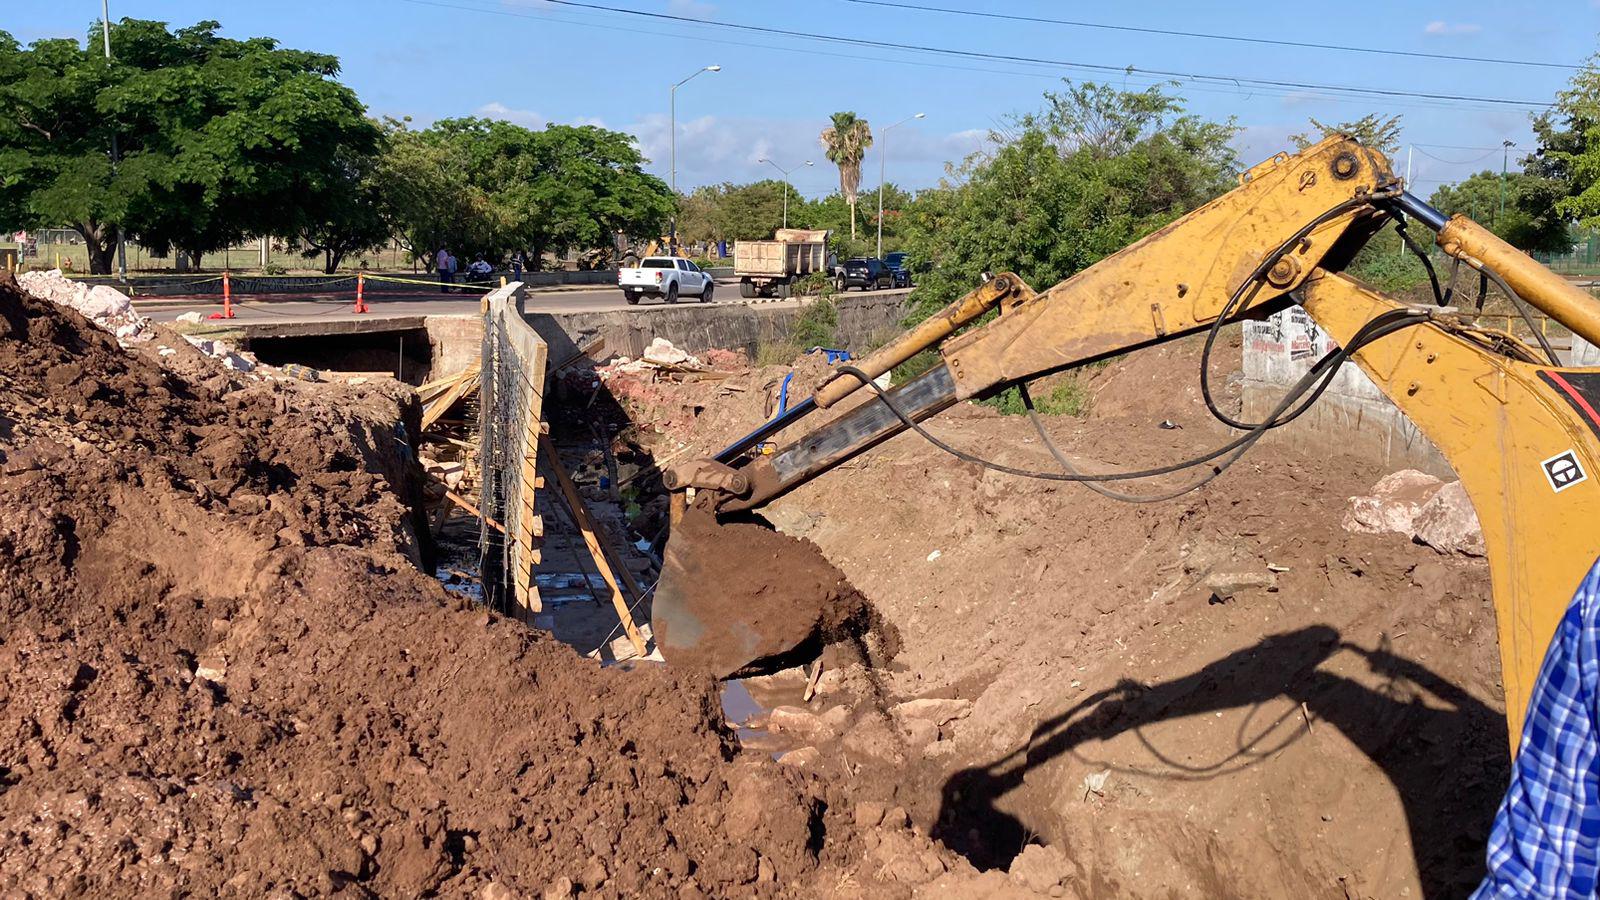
(102,304)
(1425,508)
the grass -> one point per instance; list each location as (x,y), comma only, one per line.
(74,258)
(1069,397)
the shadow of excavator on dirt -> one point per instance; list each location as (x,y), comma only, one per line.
(1446,758)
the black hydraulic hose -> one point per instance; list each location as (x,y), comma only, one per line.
(1320,374)
(1522,309)
(1414,247)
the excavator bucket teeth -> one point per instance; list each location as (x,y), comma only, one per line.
(738,598)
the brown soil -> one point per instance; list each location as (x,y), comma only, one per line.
(221,673)
(738,598)
(1333,729)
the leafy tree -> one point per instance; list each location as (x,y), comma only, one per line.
(1567,161)
(219,138)
(344,214)
(1095,170)
(1371,130)
(515,188)
(1480,197)
(846,142)
(426,196)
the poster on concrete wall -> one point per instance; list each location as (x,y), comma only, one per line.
(1283,347)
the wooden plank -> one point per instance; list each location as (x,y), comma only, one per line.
(436,410)
(466,504)
(603,560)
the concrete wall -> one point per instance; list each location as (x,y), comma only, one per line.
(1352,417)
(863,321)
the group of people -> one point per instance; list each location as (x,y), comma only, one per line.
(478,270)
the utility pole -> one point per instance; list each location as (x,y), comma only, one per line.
(672,106)
(1505,152)
(785,184)
(883,152)
(116,155)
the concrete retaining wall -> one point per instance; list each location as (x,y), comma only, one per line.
(863,321)
(1352,417)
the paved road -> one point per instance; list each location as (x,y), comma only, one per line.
(338,307)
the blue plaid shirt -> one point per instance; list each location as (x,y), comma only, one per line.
(1546,837)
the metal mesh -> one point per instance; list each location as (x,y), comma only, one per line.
(508,399)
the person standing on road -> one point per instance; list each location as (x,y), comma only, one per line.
(441,261)
(452,262)
(516,266)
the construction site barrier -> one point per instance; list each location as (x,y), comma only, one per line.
(510,413)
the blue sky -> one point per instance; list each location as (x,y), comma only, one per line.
(532,62)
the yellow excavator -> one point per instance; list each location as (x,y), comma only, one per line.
(1521,430)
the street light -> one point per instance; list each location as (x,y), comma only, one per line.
(883,151)
(785,184)
(672,103)
(1505,151)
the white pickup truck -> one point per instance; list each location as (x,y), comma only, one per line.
(668,277)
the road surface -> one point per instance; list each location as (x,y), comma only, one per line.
(339,306)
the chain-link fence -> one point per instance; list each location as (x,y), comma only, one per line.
(511,406)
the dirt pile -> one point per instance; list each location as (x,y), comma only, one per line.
(222,674)
(1224,695)
(738,597)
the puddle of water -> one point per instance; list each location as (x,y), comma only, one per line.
(746,712)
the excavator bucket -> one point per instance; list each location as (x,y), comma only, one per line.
(737,598)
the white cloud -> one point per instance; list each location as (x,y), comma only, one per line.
(524,117)
(1441,28)
(714,149)
(694,9)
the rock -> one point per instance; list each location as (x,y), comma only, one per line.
(1229,582)
(869,813)
(1393,504)
(594,874)
(802,758)
(807,725)
(919,732)
(1448,523)
(764,871)
(896,817)
(938,711)
(1041,868)
(559,889)
(494,890)
(189,318)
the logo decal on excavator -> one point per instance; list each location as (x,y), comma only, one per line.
(1563,470)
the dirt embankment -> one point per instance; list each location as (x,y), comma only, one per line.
(1223,695)
(221,673)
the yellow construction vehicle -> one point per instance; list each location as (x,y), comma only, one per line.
(1521,430)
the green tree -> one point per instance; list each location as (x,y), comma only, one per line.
(1095,170)
(426,196)
(1479,197)
(344,214)
(1567,161)
(219,138)
(1371,130)
(846,142)
(543,191)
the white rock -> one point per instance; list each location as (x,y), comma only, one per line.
(938,711)
(1448,522)
(1393,504)
(189,318)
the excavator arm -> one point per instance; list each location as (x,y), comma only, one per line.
(1522,434)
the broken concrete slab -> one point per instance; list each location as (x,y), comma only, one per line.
(1448,523)
(1393,504)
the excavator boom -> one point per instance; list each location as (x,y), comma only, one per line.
(1522,432)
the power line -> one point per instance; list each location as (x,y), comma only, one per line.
(1238,81)
(1456,162)
(1220,37)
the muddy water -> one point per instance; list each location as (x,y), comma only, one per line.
(745,704)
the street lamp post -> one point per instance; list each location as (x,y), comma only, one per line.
(672,104)
(1505,151)
(785,184)
(883,152)
(116,155)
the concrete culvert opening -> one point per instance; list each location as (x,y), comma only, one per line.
(403,353)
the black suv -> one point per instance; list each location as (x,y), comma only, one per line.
(865,273)
(899,268)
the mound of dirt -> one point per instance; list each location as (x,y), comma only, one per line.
(221,673)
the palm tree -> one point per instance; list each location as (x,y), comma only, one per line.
(846,142)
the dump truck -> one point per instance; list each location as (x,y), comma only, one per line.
(770,268)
